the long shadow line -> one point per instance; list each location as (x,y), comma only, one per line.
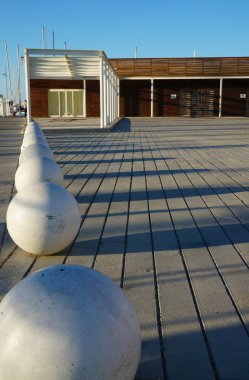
(213,259)
(229,190)
(89,206)
(191,286)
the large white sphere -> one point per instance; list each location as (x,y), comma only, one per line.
(68,323)
(43,218)
(30,139)
(38,169)
(35,150)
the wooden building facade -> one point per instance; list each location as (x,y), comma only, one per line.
(183,86)
(194,87)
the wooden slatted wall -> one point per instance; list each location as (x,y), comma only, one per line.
(135,98)
(156,67)
(92,98)
(186,97)
(233,101)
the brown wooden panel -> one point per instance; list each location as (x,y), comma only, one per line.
(164,67)
(92,98)
(243,66)
(166,98)
(135,98)
(38,99)
(232,103)
(56,83)
(212,66)
(143,65)
(160,67)
(186,97)
(39,93)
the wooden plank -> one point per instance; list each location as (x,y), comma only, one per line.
(139,276)
(180,321)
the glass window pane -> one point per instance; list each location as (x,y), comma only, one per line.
(69,103)
(63,103)
(53,103)
(78,103)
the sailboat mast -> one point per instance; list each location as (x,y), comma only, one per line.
(18,75)
(8,68)
(43,38)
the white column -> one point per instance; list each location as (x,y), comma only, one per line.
(107,96)
(152,97)
(112,97)
(220,97)
(118,96)
(101,84)
(27,85)
(104,91)
(84,101)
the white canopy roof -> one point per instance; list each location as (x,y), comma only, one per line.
(65,64)
(75,64)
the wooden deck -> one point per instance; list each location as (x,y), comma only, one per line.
(165,213)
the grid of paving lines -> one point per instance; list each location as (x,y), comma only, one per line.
(165,211)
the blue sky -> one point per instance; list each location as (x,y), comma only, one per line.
(157,28)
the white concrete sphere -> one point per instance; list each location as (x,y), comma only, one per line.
(68,322)
(33,126)
(33,123)
(38,169)
(30,139)
(43,218)
(30,132)
(33,138)
(35,150)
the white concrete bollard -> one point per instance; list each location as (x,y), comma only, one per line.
(35,150)
(43,218)
(67,323)
(32,138)
(30,132)
(33,126)
(38,169)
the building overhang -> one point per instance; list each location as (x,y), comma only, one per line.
(41,64)
(65,64)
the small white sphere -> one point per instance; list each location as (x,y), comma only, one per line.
(30,139)
(35,150)
(38,169)
(43,218)
(68,322)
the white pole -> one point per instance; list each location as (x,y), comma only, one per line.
(152,98)
(101,91)
(43,38)
(18,76)
(105,91)
(115,97)
(27,84)
(6,84)
(8,67)
(53,43)
(84,112)
(107,100)
(118,96)
(220,97)
(111,79)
